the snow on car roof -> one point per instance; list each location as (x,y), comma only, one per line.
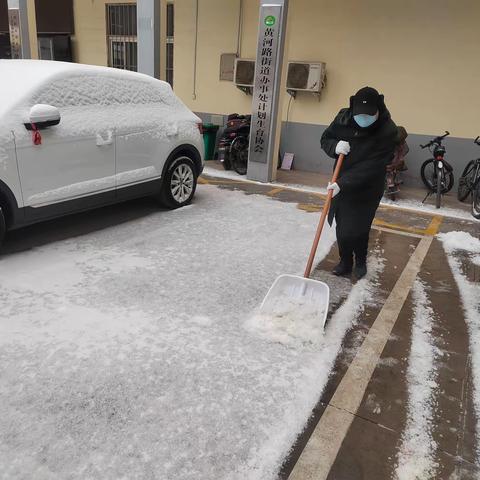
(19,78)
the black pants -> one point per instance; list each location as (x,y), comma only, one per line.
(354,219)
(349,245)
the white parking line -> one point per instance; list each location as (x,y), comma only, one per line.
(323,446)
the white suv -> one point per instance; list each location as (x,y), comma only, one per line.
(75,137)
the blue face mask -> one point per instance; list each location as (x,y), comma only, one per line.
(364,120)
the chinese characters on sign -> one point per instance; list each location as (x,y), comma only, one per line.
(15,38)
(264,89)
(264,96)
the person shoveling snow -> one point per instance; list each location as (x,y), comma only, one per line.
(365,134)
(364,137)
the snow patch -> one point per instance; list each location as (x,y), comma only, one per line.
(123,352)
(415,458)
(292,321)
(202,320)
(459,240)
(388,362)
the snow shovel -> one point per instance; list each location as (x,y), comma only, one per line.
(291,294)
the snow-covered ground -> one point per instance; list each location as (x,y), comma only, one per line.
(416,455)
(130,352)
(403,204)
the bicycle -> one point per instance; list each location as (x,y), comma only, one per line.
(436,172)
(469,183)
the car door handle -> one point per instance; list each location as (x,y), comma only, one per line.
(101,142)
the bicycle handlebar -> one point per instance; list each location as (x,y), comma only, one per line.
(437,140)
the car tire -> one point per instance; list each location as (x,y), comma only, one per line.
(179,183)
(3,226)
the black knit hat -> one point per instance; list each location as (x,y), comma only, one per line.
(366,101)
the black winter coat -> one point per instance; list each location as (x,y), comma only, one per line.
(362,177)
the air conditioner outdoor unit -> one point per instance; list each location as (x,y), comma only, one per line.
(306,77)
(244,74)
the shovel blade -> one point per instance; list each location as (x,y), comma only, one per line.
(297,296)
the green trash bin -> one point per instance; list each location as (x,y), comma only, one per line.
(209,139)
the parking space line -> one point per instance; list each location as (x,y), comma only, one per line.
(434,226)
(273,192)
(404,228)
(380,224)
(397,232)
(309,207)
(320,453)
(213,181)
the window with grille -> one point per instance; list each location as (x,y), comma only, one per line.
(122,36)
(169,52)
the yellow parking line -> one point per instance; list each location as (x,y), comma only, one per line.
(202,181)
(397,232)
(324,444)
(309,207)
(434,226)
(213,181)
(404,228)
(431,230)
(273,192)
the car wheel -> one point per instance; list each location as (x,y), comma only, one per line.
(3,226)
(179,183)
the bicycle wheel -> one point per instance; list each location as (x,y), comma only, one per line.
(428,172)
(438,194)
(476,201)
(466,180)
(448,179)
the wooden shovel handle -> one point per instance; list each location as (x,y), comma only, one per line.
(326,208)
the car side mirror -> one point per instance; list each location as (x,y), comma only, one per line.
(42,116)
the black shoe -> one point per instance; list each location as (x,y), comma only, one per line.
(360,270)
(343,268)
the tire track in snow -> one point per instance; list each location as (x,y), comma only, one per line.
(454,243)
(415,458)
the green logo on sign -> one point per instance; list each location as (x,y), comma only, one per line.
(270,21)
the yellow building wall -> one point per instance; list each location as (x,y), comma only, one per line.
(421,54)
(90,39)
(217,34)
